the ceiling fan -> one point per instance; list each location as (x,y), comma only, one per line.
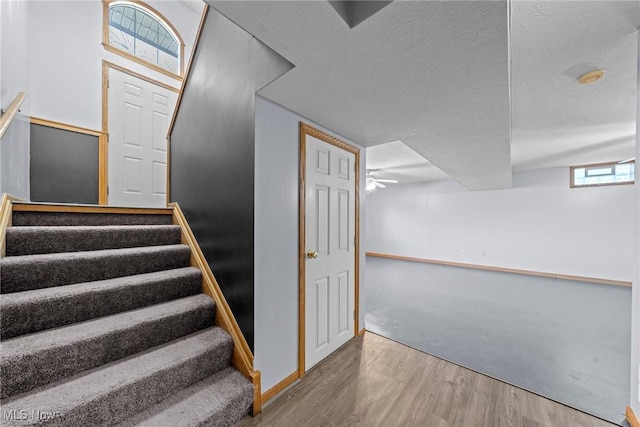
(373,182)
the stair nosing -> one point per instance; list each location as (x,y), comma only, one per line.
(96,253)
(36,228)
(103,285)
(168,210)
(12,346)
(108,377)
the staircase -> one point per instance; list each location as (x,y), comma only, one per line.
(103,322)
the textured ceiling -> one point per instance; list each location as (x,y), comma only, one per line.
(557,121)
(435,75)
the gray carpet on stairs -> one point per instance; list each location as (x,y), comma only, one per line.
(34,360)
(31,311)
(103,321)
(66,218)
(121,389)
(43,240)
(227,395)
(42,271)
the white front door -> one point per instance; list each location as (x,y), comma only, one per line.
(330,235)
(139,114)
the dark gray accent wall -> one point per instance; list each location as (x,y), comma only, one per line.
(64,166)
(213,154)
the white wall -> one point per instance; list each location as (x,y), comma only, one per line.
(15,77)
(540,224)
(635,298)
(67,54)
(276,240)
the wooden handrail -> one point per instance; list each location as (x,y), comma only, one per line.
(242,356)
(631,417)
(10,113)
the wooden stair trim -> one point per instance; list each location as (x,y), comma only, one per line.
(6,209)
(50,207)
(631,417)
(242,356)
(281,386)
(255,377)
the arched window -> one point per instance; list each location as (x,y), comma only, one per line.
(138,32)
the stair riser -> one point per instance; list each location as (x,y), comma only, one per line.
(71,218)
(25,372)
(31,240)
(35,315)
(240,408)
(23,275)
(131,398)
(223,399)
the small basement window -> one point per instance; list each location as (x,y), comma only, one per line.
(140,33)
(603,174)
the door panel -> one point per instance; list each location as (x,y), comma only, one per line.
(139,114)
(329,232)
(322,220)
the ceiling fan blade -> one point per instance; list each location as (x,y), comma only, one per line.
(392,181)
(377,184)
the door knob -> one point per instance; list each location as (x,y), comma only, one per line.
(312,254)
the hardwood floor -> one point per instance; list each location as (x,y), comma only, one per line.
(373,381)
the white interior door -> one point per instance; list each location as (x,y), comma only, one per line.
(330,234)
(139,114)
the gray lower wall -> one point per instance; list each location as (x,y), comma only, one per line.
(212,154)
(562,339)
(64,166)
(276,239)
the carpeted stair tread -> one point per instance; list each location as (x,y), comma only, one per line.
(43,240)
(26,218)
(40,309)
(221,400)
(30,272)
(117,391)
(37,359)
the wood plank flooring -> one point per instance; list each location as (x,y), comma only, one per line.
(373,381)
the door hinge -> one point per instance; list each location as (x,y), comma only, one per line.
(107,190)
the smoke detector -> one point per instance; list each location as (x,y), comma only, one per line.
(591,76)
